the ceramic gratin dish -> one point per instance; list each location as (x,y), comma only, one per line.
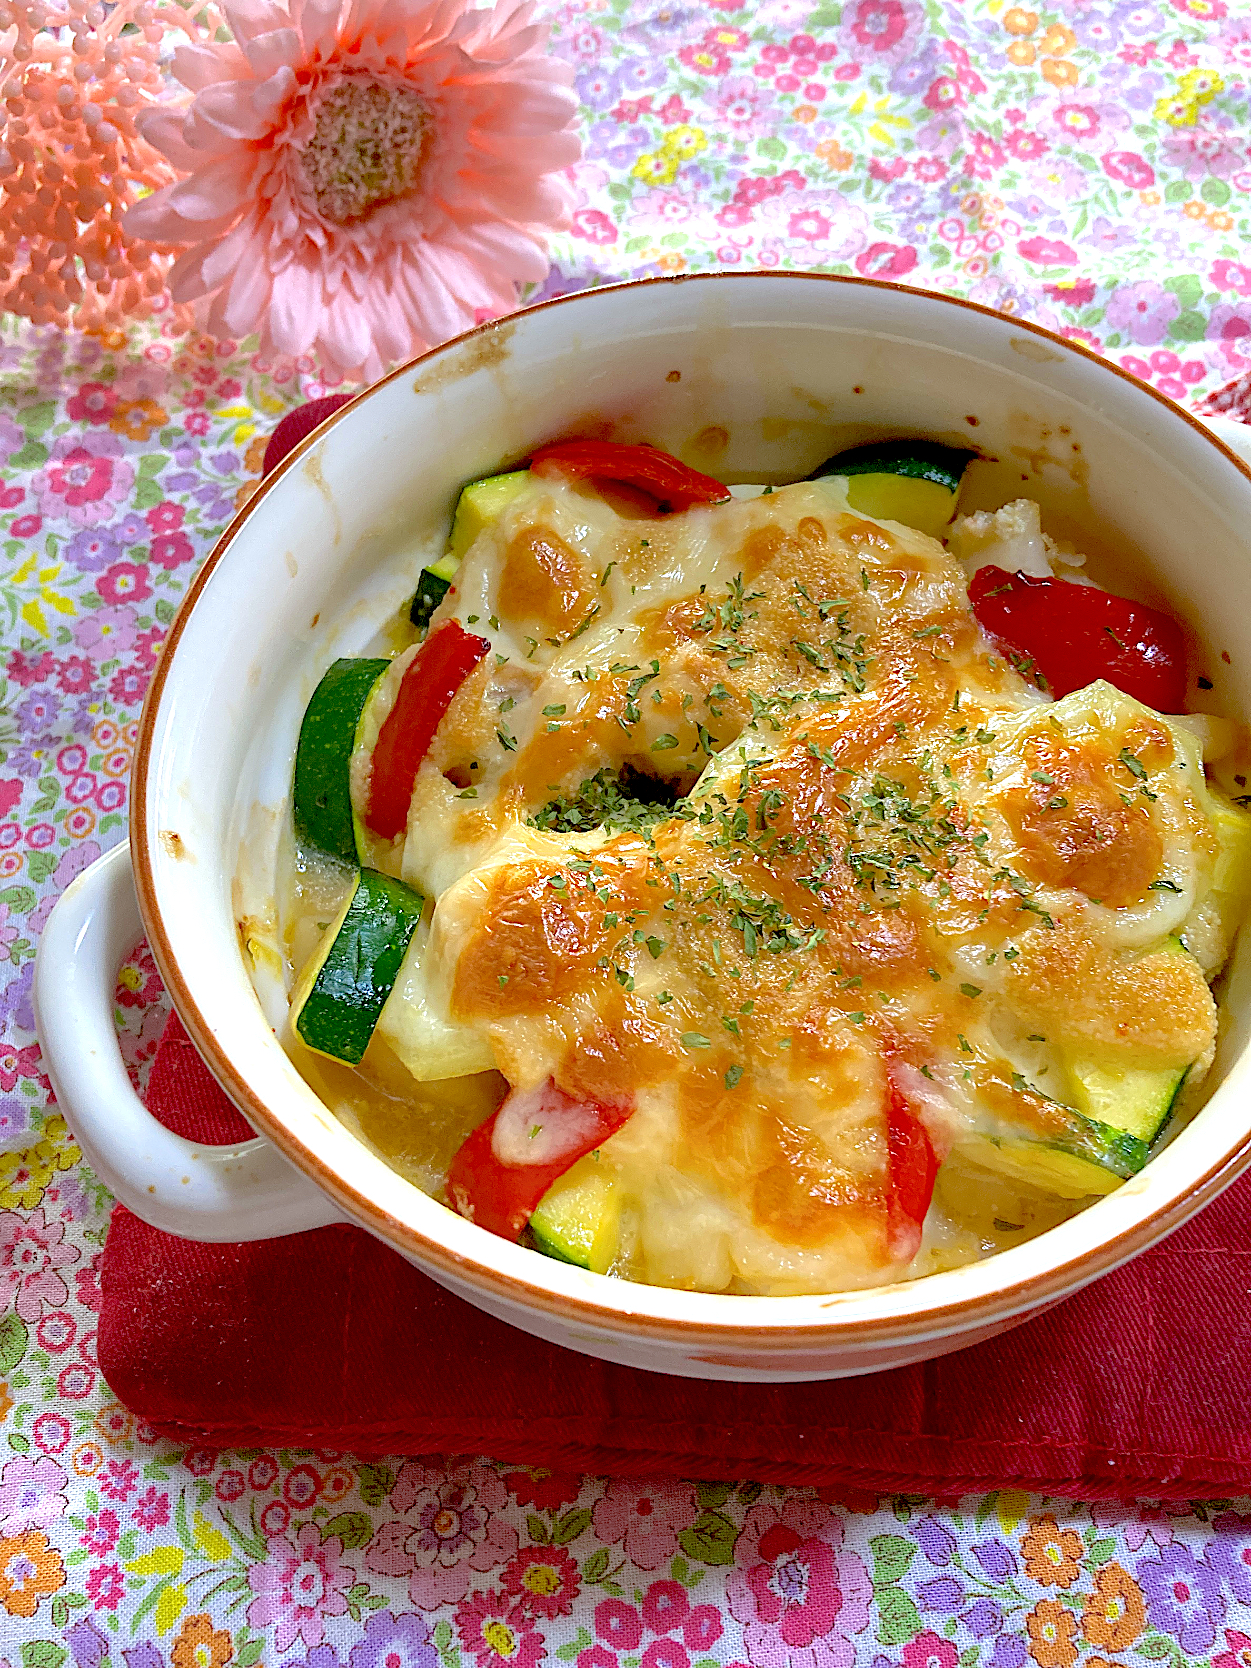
(752,377)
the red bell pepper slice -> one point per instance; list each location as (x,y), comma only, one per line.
(1075,634)
(913,1167)
(430,680)
(509,1162)
(672,484)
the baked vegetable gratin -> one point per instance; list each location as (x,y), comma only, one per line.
(769,890)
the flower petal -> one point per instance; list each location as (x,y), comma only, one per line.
(249,18)
(279,48)
(271,95)
(245,304)
(157,219)
(228,109)
(318,23)
(507,249)
(552,151)
(205,267)
(295,308)
(343,330)
(217,188)
(198,67)
(162,128)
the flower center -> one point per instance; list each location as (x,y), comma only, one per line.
(308,1586)
(366,148)
(542,1580)
(500,1637)
(445,1523)
(20,1571)
(790,1581)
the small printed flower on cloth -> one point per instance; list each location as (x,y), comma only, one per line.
(362,178)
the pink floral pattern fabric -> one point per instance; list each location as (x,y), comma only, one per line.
(1084,164)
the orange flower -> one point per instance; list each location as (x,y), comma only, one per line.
(6,1402)
(835,155)
(137,418)
(199,1646)
(87,1459)
(1195,210)
(1220,221)
(1051,1629)
(1059,72)
(338,1482)
(115,1423)
(1020,22)
(29,1568)
(671,262)
(1058,40)
(805,112)
(1150,198)
(254,457)
(1022,54)
(1051,1553)
(1114,1615)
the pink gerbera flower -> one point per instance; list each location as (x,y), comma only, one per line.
(364,177)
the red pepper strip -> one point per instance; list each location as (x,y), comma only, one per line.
(1075,634)
(672,484)
(430,680)
(509,1162)
(913,1167)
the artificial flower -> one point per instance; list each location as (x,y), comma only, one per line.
(363,178)
(77,79)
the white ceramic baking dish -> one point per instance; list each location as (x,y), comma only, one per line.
(751,376)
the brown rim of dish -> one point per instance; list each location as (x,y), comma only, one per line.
(973,1311)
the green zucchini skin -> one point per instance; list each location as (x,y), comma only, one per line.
(921,460)
(322,797)
(431,589)
(578,1221)
(480,503)
(358,972)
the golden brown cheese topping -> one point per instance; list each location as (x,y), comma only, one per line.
(743,819)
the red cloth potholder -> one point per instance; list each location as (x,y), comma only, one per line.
(1137,1386)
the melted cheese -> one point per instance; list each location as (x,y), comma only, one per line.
(893,858)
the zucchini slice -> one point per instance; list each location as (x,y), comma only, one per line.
(342,989)
(915,482)
(1139,1101)
(432,587)
(1136,1101)
(479,504)
(322,794)
(579,1219)
(1031,1138)
(1087,1158)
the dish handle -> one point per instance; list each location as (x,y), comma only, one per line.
(215,1194)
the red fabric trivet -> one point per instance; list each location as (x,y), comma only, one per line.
(1138,1386)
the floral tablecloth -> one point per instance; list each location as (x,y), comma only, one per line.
(1085,165)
